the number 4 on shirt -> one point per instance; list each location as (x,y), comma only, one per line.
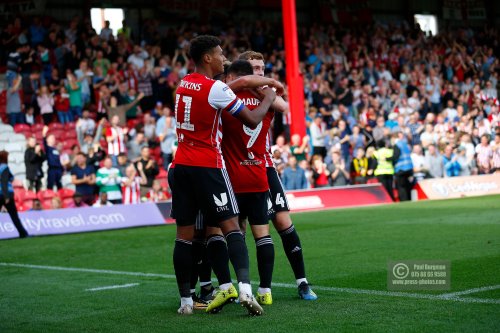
(186,124)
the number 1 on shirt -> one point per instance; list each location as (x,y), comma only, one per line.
(186,124)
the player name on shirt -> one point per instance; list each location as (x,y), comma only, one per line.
(190,85)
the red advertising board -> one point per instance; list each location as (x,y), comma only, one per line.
(458,187)
(337,197)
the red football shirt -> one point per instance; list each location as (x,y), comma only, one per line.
(244,149)
(199,102)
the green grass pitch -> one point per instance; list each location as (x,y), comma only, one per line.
(346,254)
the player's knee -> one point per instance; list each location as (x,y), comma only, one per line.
(282,221)
(260,231)
(185,232)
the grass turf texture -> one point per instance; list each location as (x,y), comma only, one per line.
(343,248)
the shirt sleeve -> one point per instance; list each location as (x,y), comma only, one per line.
(222,97)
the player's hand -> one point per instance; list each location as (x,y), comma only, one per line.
(268,93)
(280,89)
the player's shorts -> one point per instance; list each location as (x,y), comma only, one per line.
(255,206)
(202,189)
(278,195)
(170,179)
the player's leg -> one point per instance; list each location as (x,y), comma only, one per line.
(198,254)
(219,202)
(183,204)
(289,237)
(255,206)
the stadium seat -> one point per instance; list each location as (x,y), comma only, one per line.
(21,207)
(37,128)
(30,195)
(19,128)
(163,174)
(70,126)
(46,194)
(17,137)
(56,126)
(47,204)
(17,184)
(65,193)
(5,129)
(372,181)
(66,202)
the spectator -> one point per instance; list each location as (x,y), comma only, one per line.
(495,159)
(320,173)
(299,149)
(83,75)
(385,170)
(55,170)
(372,162)
(29,116)
(56,203)
(108,180)
(484,154)
(132,184)
(123,163)
(403,166)
(465,166)
(7,194)
(156,194)
(137,57)
(77,201)
(14,106)
(61,104)
(46,105)
(115,136)
(106,32)
(86,139)
(135,147)
(294,177)
(37,205)
(102,201)
(33,159)
(359,167)
(113,109)
(74,88)
(84,179)
(345,146)
(451,166)
(435,162)
(150,130)
(428,137)
(318,136)
(339,176)
(165,131)
(85,123)
(420,166)
(149,167)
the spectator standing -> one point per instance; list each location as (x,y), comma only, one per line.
(132,184)
(403,166)
(83,177)
(435,162)
(7,193)
(46,104)
(33,159)
(61,104)
(339,176)
(320,172)
(115,136)
(420,166)
(359,167)
(451,166)
(135,146)
(74,88)
(299,149)
(108,180)
(484,154)
(149,167)
(465,166)
(85,137)
(14,105)
(495,159)
(156,194)
(294,177)
(385,169)
(55,170)
(318,136)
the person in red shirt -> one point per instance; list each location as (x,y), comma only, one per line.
(115,136)
(156,193)
(201,180)
(61,105)
(244,153)
(280,209)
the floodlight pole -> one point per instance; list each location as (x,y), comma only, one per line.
(293,75)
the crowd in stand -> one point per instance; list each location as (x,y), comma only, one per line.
(365,90)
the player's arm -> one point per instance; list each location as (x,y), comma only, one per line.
(255,81)
(222,97)
(253,118)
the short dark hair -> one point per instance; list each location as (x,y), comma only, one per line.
(4,156)
(240,68)
(251,55)
(202,45)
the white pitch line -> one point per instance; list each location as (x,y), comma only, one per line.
(470,291)
(450,297)
(116,286)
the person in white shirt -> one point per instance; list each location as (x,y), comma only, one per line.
(106,32)
(318,135)
(137,58)
(420,165)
